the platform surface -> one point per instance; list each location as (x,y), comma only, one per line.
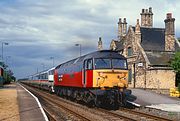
(9,109)
(28,107)
(148,98)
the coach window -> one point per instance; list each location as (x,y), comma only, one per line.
(89,64)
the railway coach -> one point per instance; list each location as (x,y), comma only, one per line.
(99,78)
(43,80)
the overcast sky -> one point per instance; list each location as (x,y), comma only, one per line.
(39,29)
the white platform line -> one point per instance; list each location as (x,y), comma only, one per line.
(39,104)
(134,104)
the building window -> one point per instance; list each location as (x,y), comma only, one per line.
(129,51)
(130,76)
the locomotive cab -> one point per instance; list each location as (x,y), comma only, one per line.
(106,72)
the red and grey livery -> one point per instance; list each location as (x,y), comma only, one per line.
(99,79)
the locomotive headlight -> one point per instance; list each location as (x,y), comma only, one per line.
(98,78)
(101,74)
(120,84)
(125,78)
(122,77)
(118,76)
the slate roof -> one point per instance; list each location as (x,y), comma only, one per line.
(152,38)
(157,58)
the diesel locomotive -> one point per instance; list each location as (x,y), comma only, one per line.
(99,78)
(96,79)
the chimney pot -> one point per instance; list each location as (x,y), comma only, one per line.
(142,10)
(124,20)
(119,21)
(150,9)
(137,21)
(169,15)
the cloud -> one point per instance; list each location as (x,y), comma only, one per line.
(37,30)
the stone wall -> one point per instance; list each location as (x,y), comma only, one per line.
(163,79)
(139,80)
(154,79)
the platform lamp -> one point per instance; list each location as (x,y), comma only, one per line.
(79,48)
(7,57)
(3,43)
(52,58)
(43,66)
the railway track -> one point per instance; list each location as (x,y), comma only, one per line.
(48,98)
(80,112)
(148,116)
(133,115)
(117,115)
(49,115)
(72,112)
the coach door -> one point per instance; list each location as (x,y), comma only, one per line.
(88,65)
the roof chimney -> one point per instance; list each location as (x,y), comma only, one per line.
(124,27)
(100,44)
(169,24)
(150,9)
(169,33)
(147,17)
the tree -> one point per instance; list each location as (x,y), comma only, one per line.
(175,64)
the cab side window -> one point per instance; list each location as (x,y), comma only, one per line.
(89,64)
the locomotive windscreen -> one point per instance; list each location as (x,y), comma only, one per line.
(104,63)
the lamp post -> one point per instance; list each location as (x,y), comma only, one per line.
(79,48)
(52,58)
(43,66)
(3,43)
(37,70)
(7,57)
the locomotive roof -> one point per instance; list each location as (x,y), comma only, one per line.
(104,54)
(96,54)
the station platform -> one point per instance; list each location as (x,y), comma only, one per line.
(29,108)
(147,98)
(9,109)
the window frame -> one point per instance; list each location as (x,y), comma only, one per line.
(110,63)
(87,61)
(129,51)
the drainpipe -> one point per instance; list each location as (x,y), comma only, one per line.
(145,77)
(134,75)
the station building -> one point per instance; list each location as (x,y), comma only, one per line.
(148,51)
